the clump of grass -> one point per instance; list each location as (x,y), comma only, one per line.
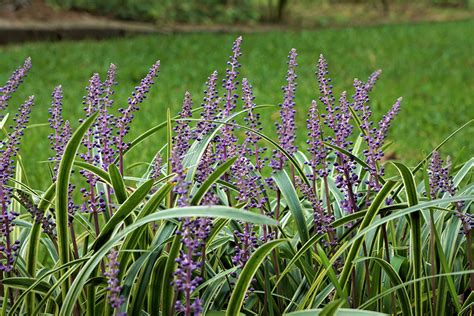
(218,223)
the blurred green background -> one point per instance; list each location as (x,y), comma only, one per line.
(428,64)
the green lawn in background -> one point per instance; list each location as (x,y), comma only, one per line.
(430,65)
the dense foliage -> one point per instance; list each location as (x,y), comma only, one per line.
(226,219)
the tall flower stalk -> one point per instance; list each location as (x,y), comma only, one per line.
(104,130)
(127,114)
(226,142)
(286,128)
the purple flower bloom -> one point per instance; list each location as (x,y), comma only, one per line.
(106,122)
(13,82)
(343,127)
(248,183)
(286,130)
(230,83)
(61,132)
(369,85)
(204,170)
(441,182)
(193,234)
(155,171)
(182,129)
(91,102)
(346,178)
(384,123)
(246,242)
(327,96)
(8,151)
(253,121)
(315,141)
(374,137)
(47,222)
(209,107)
(123,122)
(114,288)
(180,148)
(322,221)
(226,141)
(58,140)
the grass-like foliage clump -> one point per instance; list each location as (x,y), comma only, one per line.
(228,220)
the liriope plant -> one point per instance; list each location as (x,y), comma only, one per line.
(226,220)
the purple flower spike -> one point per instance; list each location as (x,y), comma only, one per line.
(114,288)
(8,151)
(322,221)
(106,121)
(441,182)
(230,83)
(209,107)
(60,136)
(127,114)
(327,96)
(253,121)
(246,243)
(315,141)
(248,184)
(286,130)
(346,179)
(47,222)
(182,129)
(13,83)
(94,91)
(372,80)
(374,137)
(226,141)
(204,170)
(384,124)
(180,148)
(343,127)
(91,104)
(155,171)
(193,234)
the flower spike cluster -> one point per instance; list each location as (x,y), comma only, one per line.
(8,151)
